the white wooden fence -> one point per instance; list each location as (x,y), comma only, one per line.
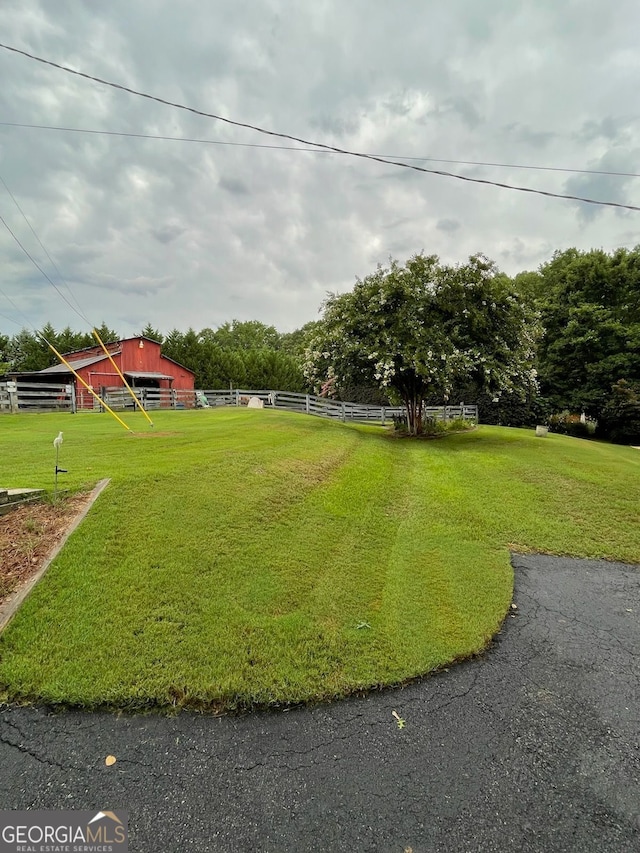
(17,396)
(20,396)
(151,398)
(31,396)
(323,407)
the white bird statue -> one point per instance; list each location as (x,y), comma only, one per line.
(58,441)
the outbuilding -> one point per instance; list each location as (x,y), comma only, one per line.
(158,379)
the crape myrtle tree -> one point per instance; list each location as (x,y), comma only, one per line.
(423,328)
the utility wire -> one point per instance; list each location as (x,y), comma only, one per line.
(62,359)
(26,319)
(42,246)
(37,266)
(321,145)
(9,319)
(315,150)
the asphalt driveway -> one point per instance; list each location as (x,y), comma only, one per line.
(533,747)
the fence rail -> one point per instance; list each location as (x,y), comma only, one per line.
(323,407)
(31,396)
(151,398)
(18,396)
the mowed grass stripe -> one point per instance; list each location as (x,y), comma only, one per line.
(245,558)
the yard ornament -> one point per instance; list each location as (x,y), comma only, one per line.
(57,443)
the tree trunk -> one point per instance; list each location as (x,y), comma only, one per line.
(419,414)
(414,413)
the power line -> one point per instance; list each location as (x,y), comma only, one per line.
(10,319)
(315,150)
(321,145)
(9,299)
(37,266)
(42,246)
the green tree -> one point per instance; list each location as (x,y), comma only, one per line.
(107,335)
(244,335)
(5,363)
(173,343)
(295,343)
(620,416)
(421,328)
(272,370)
(154,334)
(29,352)
(590,310)
(69,341)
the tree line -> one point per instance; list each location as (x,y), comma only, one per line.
(238,354)
(563,338)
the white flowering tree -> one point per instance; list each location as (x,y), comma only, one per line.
(419,328)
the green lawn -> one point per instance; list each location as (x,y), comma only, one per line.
(235,554)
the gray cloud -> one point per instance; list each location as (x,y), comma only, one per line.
(615,129)
(168,233)
(398,223)
(194,235)
(234,186)
(523,134)
(464,108)
(448,225)
(605,187)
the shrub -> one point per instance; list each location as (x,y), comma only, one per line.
(458,424)
(518,408)
(620,417)
(566,423)
(432,427)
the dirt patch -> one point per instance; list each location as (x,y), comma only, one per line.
(153,434)
(28,534)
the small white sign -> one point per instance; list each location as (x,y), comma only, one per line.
(12,387)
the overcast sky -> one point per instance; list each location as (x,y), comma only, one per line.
(188,234)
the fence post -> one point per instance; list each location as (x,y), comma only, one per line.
(343,412)
(383,416)
(12,389)
(306,403)
(74,407)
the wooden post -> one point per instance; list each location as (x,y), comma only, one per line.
(74,407)
(12,389)
(306,403)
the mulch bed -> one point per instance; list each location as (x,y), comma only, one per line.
(27,535)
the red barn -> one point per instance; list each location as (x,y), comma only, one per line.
(139,359)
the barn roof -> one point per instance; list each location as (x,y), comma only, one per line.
(76,363)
